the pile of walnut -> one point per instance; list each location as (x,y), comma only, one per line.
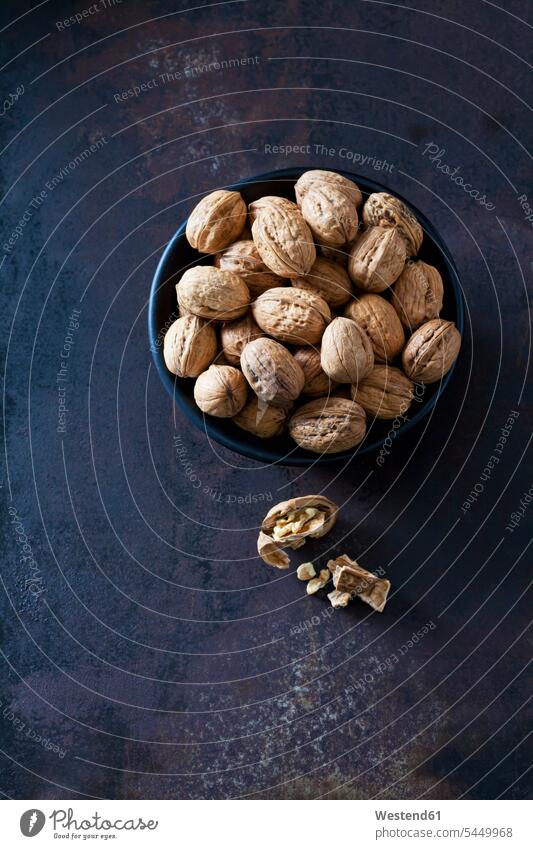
(290,524)
(273,317)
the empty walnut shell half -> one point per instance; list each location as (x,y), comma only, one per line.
(289,524)
(384,210)
(328,425)
(417,294)
(349,577)
(216,221)
(376,259)
(327,279)
(386,393)
(431,351)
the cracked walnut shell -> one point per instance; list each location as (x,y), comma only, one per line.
(327,279)
(385,210)
(243,259)
(379,320)
(216,221)
(386,393)
(346,352)
(190,346)
(431,351)
(272,372)
(376,259)
(284,241)
(221,391)
(417,295)
(292,315)
(290,523)
(210,293)
(328,425)
(350,578)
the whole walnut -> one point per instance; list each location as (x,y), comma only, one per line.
(327,279)
(329,205)
(384,210)
(417,295)
(216,221)
(190,346)
(431,351)
(317,383)
(262,419)
(292,315)
(346,353)
(328,425)
(267,202)
(243,259)
(386,393)
(234,335)
(210,293)
(284,241)
(379,320)
(377,259)
(272,372)
(221,391)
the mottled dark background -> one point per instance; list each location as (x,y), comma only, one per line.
(146,651)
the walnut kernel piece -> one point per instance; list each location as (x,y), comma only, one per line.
(305,571)
(316,584)
(290,523)
(349,577)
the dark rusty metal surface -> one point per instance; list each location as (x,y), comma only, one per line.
(146,651)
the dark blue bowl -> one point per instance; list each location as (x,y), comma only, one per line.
(162,311)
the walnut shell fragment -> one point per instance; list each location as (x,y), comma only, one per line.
(216,221)
(290,523)
(352,579)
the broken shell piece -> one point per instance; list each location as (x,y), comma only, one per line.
(349,577)
(289,524)
(339,599)
(305,572)
(316,584)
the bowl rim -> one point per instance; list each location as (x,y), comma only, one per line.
(266,455)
